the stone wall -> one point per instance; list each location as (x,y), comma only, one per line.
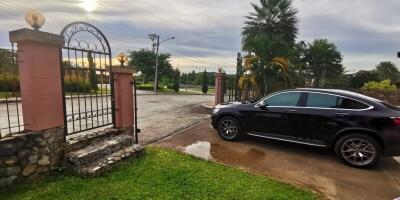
(26,156)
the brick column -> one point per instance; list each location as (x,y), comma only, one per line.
(40,78)
(123,91)
(219,87)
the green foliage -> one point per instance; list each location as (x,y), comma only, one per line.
(384,85)
(269,33)
(77,84)
(160,174)
(360,78)
(388,70)
(92,72)
(276,18)
(175,85)
(204,88)
(144,60)
(324,60)
(6,61)
(9,82)
(147,87)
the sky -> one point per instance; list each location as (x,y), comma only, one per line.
(208,32)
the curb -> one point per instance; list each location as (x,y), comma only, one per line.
(175,132)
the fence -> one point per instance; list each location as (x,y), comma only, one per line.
(11,121)
(230,89)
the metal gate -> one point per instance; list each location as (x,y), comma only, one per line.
(87,78)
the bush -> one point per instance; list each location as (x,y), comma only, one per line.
(147,87)
(204,89)
(77,84)
(385,86)
(9,82)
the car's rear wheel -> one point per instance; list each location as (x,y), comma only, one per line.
(358,150)
(229,129)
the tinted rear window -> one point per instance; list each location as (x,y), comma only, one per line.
(346,103)
(317,100)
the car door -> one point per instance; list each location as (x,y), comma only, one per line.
(278,115)
(323,116)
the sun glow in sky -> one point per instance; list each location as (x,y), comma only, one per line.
(88,5)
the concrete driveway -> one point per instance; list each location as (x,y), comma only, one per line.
(312,167)
(161,115)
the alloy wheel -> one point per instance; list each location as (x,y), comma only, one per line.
(358,152)
(228,128)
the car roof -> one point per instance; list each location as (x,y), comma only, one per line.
(344,93)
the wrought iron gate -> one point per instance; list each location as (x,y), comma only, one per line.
(87,78)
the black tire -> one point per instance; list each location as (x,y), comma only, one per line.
(226,127)
(358,150)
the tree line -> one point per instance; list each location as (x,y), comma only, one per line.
(274,60)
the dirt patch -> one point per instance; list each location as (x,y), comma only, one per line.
(200,110)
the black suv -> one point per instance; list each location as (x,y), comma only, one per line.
(358,127)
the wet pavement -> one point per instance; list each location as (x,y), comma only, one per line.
(311,167)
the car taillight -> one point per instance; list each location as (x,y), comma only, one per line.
(396,121)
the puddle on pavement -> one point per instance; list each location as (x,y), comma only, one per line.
(223,153)
(200,149)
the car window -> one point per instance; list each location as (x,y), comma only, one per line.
(317,100)
(346,103)
(284,99)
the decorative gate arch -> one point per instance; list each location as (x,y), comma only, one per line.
(87,78)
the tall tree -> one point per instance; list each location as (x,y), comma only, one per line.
(360,78)
(204,88)
(388,70)
(275,18)
(7,62)
(268,36)
(143,60)
(175,84)
(324,60)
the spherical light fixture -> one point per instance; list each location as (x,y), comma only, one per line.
(248,72)
(122,58)
(35,19)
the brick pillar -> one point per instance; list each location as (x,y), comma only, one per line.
(219,87)
(123,91)
(40,78)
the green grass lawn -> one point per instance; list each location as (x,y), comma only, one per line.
(160,174)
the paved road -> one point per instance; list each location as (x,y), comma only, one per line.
(313,167)
(158,115)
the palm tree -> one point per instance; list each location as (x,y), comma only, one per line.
(276,18)
(324,60)
(270,34)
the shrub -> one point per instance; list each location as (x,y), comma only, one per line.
(204,89)
(9,82)
(148,87)
(77,84)
(384,85)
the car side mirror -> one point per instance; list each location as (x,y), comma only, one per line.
(263,105)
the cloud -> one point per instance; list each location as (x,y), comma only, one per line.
(208,32)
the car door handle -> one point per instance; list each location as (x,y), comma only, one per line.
(291,111)
(342,114)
